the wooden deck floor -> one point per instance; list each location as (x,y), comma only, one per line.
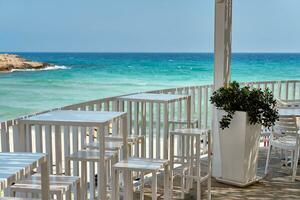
(276,185)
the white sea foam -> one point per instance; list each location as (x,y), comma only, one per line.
(55,67)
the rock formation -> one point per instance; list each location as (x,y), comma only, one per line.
(9,62)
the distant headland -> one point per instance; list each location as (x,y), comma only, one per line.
(12,62)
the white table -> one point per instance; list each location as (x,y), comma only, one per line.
(100,120)
(289,111)
(15,166)
(159,99)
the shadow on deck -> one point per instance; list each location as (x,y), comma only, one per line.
(276,185)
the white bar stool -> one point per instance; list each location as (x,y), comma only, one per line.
(84,156)
(59,186)
(145,166)
(189,158)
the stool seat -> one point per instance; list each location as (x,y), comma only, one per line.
(90,155)
(111,145)
(183,121)
(190,131)
(56,183)
(141,164)
(15,198)
(130,138)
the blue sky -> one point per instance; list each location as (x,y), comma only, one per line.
(145,25)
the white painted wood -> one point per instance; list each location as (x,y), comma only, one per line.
(4,137)
(21,164)
(101,165)
(58,150)
(48,138)
(75,149)
(157,136)
(16,141)
(136,127)
(286,137)
(154,186)
(68,117)
(222,59)
(38,138)
(166,141)
(151,136)
(155,98)
(61,185)
(289,112)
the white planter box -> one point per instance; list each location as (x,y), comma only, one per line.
(239,145)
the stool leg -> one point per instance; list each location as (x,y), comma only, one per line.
(171,165)
(115,184)
(167,185)
(77,193)
(68,194)
(142,186)
(143,147)
(67,167)
(198,167)
(128,187)
(92,180)
(154,186)
(83,180)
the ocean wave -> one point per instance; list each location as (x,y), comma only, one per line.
(55,67)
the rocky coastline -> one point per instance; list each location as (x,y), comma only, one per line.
(12,62)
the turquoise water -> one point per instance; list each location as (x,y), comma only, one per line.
(87,76)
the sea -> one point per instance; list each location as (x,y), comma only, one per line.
(78,77)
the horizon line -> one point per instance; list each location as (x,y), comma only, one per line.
(154,52)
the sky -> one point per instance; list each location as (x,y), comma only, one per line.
(145,25)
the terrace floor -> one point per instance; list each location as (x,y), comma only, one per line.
(276,185)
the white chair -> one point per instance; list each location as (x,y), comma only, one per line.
(92,156)
(288,103)
(286,136)
(59,186)
(187,162)
(145,166)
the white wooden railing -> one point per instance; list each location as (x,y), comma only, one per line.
(42,141)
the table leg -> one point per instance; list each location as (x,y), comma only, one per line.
(45,180)
(171,165)
(125,136)
(198,167)
(83,180)
(166,131)
(209,166)
(101,166)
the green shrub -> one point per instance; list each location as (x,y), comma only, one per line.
(260,105)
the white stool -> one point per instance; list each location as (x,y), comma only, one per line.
(134,141)
(84,156)
(144,166)
(189,158)
(194,123)
(59,186)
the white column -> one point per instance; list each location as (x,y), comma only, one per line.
(222,56)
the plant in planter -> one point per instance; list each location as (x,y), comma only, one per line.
(242,112)
(259,105)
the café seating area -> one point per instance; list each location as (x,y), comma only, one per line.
(149,145)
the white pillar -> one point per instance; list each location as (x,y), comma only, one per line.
(222,58)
